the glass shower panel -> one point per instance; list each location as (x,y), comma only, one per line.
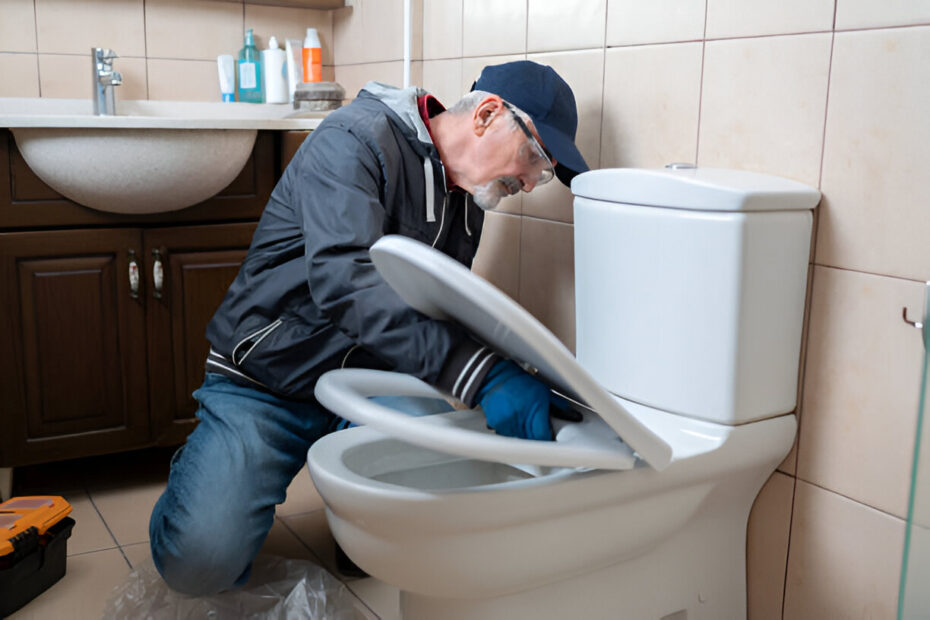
(914,596)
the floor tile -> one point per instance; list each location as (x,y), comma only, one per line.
(126,511)
(83,591)
(382,598)
(138,554)
(313,530)
(302,496)
(283,542)
(89,533)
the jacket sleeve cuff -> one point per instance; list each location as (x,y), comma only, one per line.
(464,370)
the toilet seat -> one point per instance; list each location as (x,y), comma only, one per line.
(442,288)
(589,443)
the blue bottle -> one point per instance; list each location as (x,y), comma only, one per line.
(250,71)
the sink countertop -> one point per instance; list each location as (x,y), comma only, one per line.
(142,114)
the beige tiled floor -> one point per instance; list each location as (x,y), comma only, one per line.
(112,498)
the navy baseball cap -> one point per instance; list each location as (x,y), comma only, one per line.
(540,92)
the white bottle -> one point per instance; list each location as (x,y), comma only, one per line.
(275,77)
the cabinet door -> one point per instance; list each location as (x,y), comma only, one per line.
(72,346)
(198,263)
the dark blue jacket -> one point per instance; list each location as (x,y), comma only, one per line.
(308,299)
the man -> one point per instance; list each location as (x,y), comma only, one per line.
(308,299)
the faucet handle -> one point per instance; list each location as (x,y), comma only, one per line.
(104,54)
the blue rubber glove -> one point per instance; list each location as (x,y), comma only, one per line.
(515,403)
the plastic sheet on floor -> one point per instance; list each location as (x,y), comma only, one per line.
(278,588)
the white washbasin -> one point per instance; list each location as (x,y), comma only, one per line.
(153,156)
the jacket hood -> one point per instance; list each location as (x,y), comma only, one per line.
(403,102)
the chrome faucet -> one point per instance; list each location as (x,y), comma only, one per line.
(105,78)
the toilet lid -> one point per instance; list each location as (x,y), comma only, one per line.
(442,288)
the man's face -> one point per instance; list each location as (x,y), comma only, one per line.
(511,159)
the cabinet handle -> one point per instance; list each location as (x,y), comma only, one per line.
(158,274)
(133,275)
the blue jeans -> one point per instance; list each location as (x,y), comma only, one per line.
(225,482)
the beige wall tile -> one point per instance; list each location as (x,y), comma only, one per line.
(290,23)
(183,80)
(651,99)
(498,258)
(18,26)
(193,29)
(471,67)
(68,76)
(745,18)
(584,72)
(20,75)
(66,27)
(921,509)
(868,14)
(547,276)
(442,29)
(767,547)
(763,105)
(354,77)
(83,591)
(859,410)
(568,25)
(844,558)
(790,462)
(659,21)
(370,31)
(876,188)
(493,27)
(443,78)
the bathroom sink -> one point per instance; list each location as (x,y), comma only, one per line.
(151,157)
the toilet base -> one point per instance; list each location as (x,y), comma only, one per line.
(697,574)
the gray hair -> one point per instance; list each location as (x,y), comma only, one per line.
(471,100)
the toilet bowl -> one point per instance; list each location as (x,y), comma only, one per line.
(638,511)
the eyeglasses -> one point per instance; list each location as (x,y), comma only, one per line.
(532,154)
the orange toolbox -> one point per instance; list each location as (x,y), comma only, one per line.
(34,535)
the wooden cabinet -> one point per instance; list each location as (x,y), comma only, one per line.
(90,364)
(199,263)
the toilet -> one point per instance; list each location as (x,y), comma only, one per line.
(689,287)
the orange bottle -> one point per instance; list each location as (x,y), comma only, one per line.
(312,57)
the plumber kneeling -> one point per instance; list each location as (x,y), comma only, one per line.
(308,299)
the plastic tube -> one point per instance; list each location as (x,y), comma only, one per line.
(225,66)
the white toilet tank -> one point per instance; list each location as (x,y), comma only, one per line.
(690,288)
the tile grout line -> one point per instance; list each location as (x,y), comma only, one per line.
(868,273)
(145,46)
(107,526)
(35,24)
(784,587)
(697,141)
(854,500)
(320,562)
(296,535)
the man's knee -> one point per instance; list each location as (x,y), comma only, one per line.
(200,558)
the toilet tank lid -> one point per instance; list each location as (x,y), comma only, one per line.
(706,189)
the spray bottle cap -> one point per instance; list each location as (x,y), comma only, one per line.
(273,43)
(312,39)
